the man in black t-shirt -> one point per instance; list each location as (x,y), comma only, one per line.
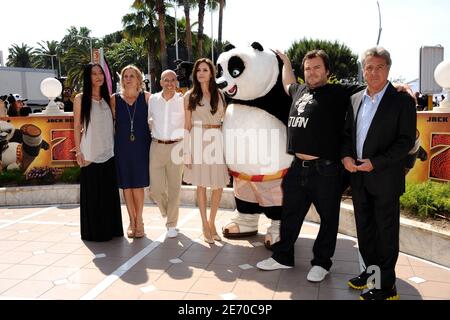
(315,128)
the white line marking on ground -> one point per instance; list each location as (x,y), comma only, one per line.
(417,280)
(27,217)
(108,281)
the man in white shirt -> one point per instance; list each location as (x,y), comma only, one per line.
(166,119)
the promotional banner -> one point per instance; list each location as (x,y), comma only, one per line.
(434,133)
(36,141)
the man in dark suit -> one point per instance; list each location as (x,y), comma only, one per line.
(380,131)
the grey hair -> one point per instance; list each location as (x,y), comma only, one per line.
(379,52)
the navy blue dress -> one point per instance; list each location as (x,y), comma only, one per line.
(132,157)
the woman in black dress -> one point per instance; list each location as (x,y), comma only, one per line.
(100,212)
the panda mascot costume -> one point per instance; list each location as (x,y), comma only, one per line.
(254,131)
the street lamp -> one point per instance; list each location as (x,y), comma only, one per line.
(176,32)
(90,43)
(52,56)
(380,28)
(212,37)
(442,77)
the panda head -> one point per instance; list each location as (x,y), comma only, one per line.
(247,73)
(6,131)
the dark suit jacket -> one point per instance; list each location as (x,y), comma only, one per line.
(390,137)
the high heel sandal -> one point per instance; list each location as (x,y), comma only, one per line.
(215,236)
(140,230)
(131,230)
(206,238)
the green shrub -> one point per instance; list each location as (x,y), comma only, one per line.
(429,199)
(12,177)
(70,175)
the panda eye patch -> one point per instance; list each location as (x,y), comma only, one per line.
(219,71)
(236,66)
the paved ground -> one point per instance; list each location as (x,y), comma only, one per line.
(42,257)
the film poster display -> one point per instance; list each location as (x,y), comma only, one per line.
(433,129)
(36,141)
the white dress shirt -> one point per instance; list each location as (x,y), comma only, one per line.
(166,117)
(366,113)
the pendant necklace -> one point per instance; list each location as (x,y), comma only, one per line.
(132,136)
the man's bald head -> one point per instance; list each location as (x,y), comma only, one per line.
(169,82)
(167,72)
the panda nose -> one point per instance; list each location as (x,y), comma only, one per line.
(222,85)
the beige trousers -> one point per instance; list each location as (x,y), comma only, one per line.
(165,181)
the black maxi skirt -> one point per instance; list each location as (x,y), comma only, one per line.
(100,213)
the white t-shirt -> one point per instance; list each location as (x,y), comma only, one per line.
(97,142)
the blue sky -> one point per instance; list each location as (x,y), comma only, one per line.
(407,25)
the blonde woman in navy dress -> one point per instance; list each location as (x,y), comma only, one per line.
(132,145)
(100,214)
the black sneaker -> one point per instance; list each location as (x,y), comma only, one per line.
(380,294)
(359,282)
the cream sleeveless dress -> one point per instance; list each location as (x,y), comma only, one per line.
(206,149)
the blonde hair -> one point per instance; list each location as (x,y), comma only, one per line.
(138,74)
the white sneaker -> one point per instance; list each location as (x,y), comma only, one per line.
(271,264)
(316,274)
(172,233)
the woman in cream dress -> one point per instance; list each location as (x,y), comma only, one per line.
(203,152)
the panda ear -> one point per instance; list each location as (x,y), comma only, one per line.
(257,46)
(228,47)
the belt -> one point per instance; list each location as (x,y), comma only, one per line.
(310,163)
(210,126)
(165,141)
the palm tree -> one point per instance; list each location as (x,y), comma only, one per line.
(187,5)
(201,15)
(20,56)
(127,52)
(161,9)
(75,59)
(72,42)
(111,39)
(72,38)
(141,24)
(47,55)
(222,4)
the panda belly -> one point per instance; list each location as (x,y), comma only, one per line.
(11,156)
(254,141)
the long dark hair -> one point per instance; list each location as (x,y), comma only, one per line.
(86,99)
(196,96)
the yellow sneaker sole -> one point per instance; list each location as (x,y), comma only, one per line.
(351,285)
